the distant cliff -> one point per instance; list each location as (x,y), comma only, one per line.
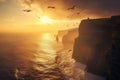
(92,46)
(60,35)
(67,37)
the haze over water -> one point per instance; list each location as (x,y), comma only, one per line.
(29,57)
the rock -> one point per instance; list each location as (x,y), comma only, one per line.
(60,35)
(114,59)
(92,34)
(94,43)
(114,73)
(68,39)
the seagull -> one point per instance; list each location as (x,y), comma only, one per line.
(52,7)
(69,50)
(73,7)
(39,17)
(27,10)
(78,13)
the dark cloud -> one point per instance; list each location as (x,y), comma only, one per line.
(85,8)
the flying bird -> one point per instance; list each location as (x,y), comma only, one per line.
(78,13)
(39,17)
(69,50)
(73,7)
(52,7)
(27,10)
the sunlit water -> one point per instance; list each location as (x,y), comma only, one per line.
(35,57)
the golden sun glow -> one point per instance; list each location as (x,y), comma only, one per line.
(46,20)
(47,36)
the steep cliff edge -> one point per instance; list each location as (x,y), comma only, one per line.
(93,34)
(94,42)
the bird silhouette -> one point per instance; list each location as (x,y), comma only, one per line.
(27,10)
(69,50)
(52,7)
(71,8)
(78,13)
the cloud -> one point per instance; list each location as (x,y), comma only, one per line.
(83,8)
(2,0)
(27,2)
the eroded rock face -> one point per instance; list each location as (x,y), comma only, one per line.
(60,35)
(93,34)
(68,39)
(94,43)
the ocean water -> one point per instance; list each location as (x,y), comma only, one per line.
(35,57)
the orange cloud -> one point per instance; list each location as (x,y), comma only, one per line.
(3,0)
(82,9)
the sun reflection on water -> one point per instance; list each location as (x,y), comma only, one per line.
(45,51)
(47,43)
(47,36)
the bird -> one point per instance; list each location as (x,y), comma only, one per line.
(73,7)
(27,10)
(39,17)
(78,13)
(52,7)
(69,50)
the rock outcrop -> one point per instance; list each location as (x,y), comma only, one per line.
(60,35)
(93,45)
(68,39)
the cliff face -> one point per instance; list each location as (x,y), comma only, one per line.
(60,35)
(94,42)
(68,39)
(93,34)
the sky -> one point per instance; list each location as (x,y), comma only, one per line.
(62,13)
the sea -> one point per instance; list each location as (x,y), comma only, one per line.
(27,56)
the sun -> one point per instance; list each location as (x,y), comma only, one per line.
(46,20)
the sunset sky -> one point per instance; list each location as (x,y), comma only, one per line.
(58,13)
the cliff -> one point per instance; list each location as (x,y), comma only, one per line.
(60,35)
(67,37)
(94,43)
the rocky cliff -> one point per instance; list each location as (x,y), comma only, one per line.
(67,37)
(94,43)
